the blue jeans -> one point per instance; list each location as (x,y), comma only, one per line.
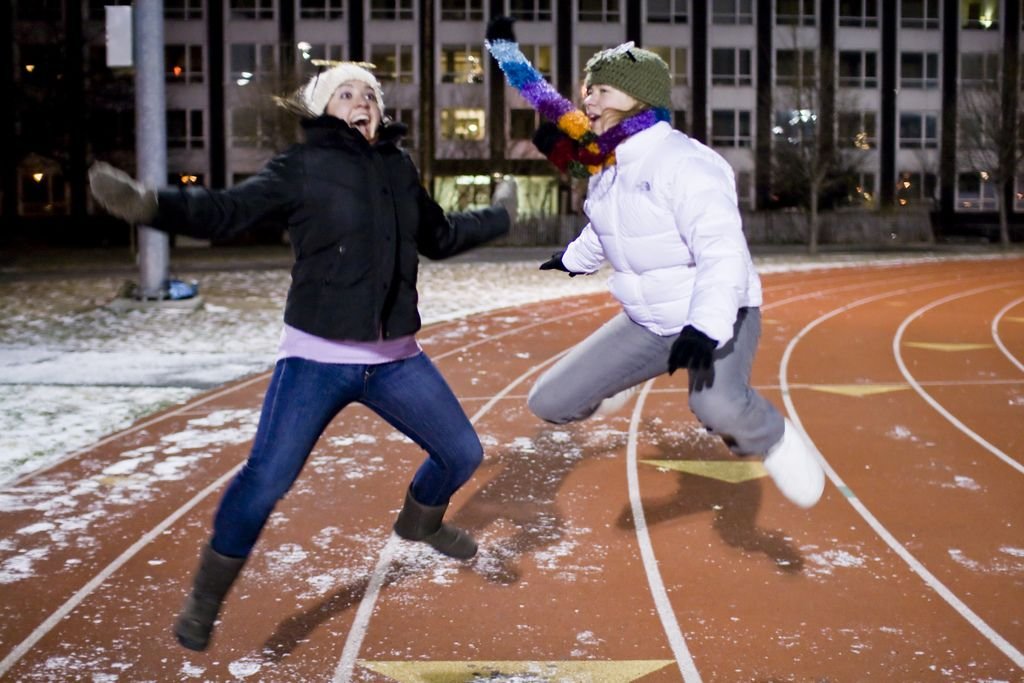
(302,399)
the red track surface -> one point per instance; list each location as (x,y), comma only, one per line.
(596,563)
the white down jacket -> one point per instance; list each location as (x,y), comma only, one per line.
(665,218)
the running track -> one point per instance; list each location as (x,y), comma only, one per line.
(631,547)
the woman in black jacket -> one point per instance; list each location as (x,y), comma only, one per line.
(357,218)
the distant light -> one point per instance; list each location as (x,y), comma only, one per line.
(246,74)
(242,81)
(38,177)
(986,21)
(30,68)
(984,175)
(177,70)
(189,179)
(304,46)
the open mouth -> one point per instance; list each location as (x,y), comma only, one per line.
(361,122)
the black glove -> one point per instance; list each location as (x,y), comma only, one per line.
(693,350)
(500,28)
(547,136)
(555,263)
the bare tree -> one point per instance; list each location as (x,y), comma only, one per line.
(990,141)
(811,170)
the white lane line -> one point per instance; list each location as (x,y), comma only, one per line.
(995,332)
(361,624)
(661,600)
(897,352)
(51,621)
(663,604)
(71,603)
(930,579)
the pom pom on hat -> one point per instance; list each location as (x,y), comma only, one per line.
(633,70)
(318,90)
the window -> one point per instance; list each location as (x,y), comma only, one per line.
(41,64)
(462,124)
(858,129)
(183,63)
(919,70)
(318,52)
(465,192)
(795,126)
(249,61)
(183,9)
(462,10)
(586,52)
(858,69)
(862,13)
(522,124)
(668,11)
(394,63)
(185,178)
(730,128)
(915,188)
(252,9)
(919,13)
(975,191)
(461,64)
(978,69)
(794,12)
(731,66)
(676,58)
(919,130)
(390,10)
(185,128)
(732,12)
(862,190)
(605,11)
(42,193)
(407,117)
(794,67)
(980,14)
(321,9)
(530,10)
(540,57)
(250,127)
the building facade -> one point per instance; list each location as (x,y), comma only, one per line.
(886,81)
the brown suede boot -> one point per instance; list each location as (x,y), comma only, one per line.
(418,522)
(212,581)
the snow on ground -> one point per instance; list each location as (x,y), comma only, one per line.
(72,370)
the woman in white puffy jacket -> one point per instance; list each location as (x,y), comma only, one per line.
(663,214)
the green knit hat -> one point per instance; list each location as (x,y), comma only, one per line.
(634,71)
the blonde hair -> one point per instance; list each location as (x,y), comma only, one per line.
(613,117)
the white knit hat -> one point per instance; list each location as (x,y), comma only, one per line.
(317,92)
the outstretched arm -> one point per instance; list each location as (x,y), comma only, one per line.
(443,235)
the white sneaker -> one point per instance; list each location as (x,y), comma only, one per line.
(795,469)
(614,403)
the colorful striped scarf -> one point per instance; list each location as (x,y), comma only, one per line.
(581,152)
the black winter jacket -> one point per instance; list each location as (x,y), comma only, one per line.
(357,217)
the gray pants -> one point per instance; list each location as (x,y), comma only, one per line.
(623,354)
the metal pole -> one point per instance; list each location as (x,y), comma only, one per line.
(150,138)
